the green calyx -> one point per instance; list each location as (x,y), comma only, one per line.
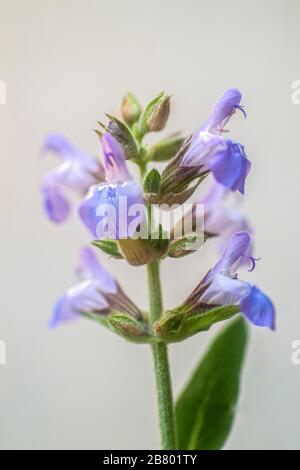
(177,325)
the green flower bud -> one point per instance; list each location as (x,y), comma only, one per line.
(130,109)
(129,328)
(123,135)
(156,114)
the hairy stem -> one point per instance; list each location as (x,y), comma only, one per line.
(161,365)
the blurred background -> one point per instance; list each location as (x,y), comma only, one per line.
(65,63)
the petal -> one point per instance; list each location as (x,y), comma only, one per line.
(114,160)
(202,146)
(90,268)
(106,210)
(84,297)
(64,149)
(258,308)
(58,144)
(62,312)
(87,211)
(226,222)
(223,109)
(234,254)
(56,206)
(214,196)
(230,166)
(74,175)
(225,291)
(79,169)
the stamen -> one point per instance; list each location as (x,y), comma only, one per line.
(241,108)
(253,262)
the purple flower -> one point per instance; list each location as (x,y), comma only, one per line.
(97,292)
(116,208)
(221,286)
(78,171)
(209,151)
(219,219)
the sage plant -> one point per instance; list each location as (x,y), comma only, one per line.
(122,217)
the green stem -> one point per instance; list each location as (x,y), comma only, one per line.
(161,365)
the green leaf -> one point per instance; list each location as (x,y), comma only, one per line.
(185,245)
(159,240)
(123,325)
(205,408)
(109,247)
(152,181)
(177,325)
(165,149)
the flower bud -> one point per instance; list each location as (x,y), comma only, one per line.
(130,109)
(123,135)
(156,114)
(129,328)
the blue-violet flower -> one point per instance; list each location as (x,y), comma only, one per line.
(97,293)
(113,209)
(221,286)
(78,171)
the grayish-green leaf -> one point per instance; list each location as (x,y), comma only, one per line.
(185,245)
(110,247)
(121,132)
(206,407)
(152,181)
(129,328)
(165,149)
(124,325)
(177,325)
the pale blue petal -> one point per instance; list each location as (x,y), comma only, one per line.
(230,167)
(90,268)
(105,211)
(82,298)
(114,160)
(258,308)
(225,291)
(223,109)
(55,204)
(234,254)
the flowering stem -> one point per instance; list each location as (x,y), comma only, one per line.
(161,365)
